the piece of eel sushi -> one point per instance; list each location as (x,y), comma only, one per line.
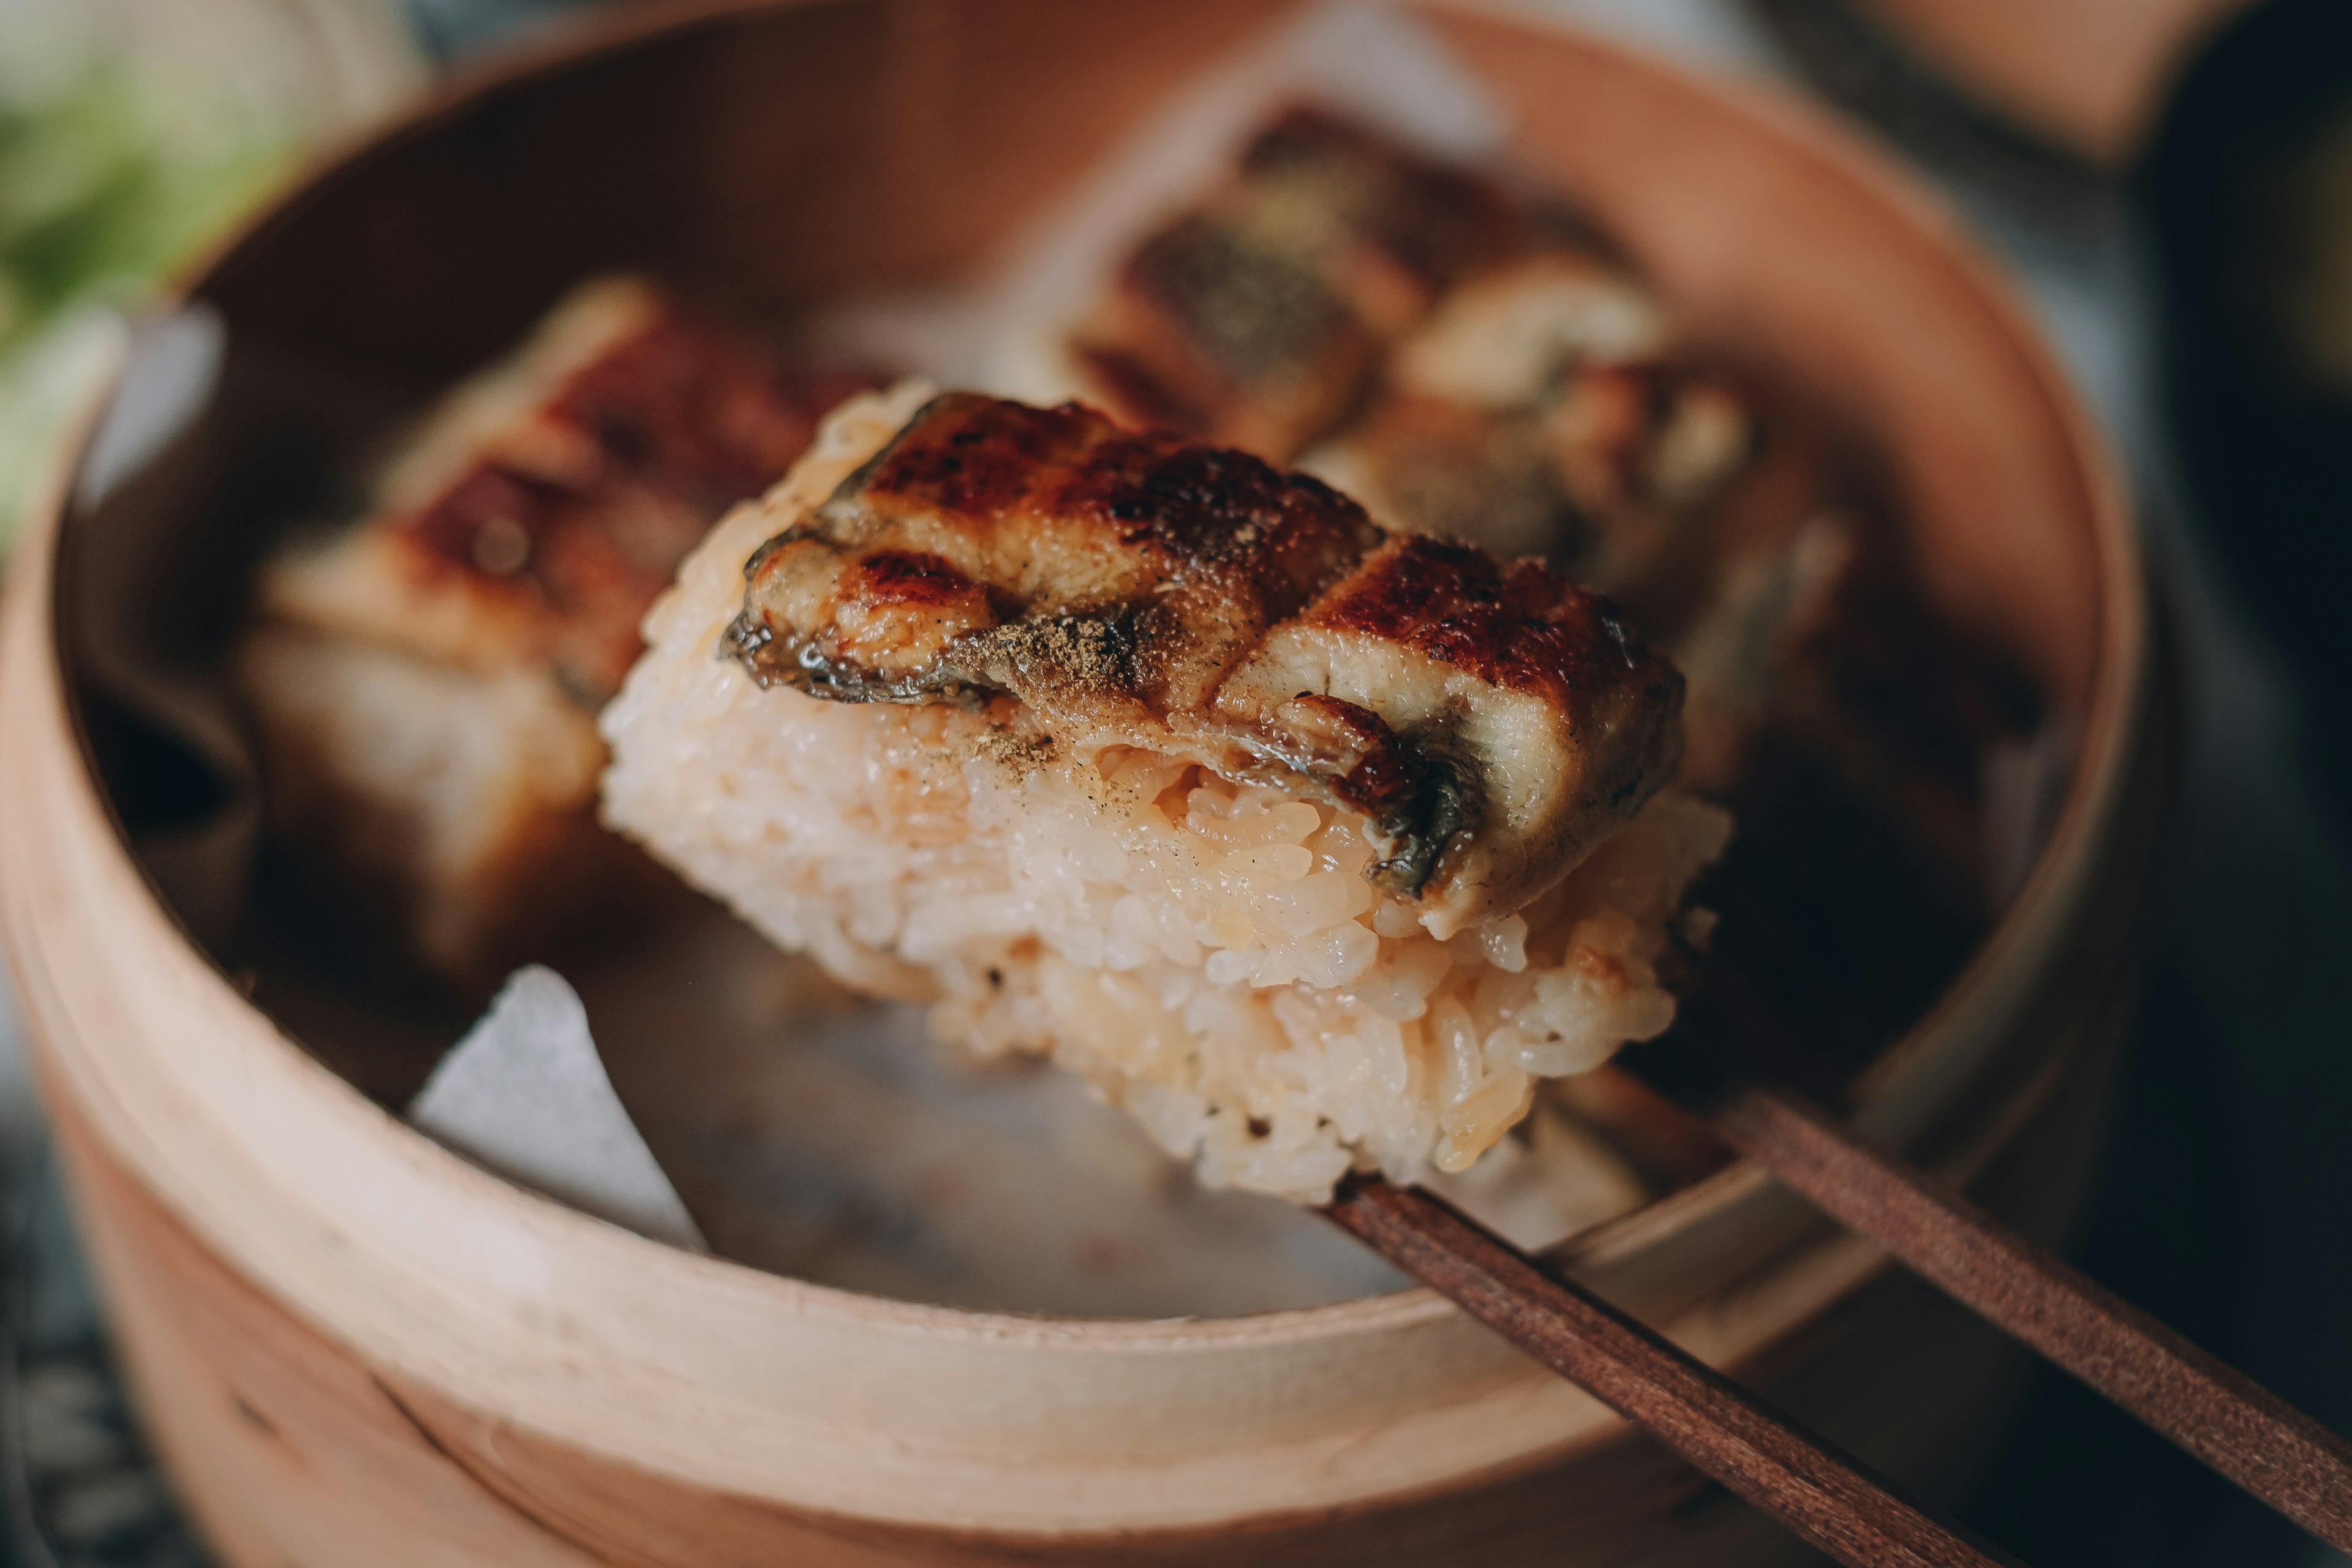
(1256,315)
(1313,846)
(423,683)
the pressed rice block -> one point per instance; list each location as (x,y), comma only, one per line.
(355,1348)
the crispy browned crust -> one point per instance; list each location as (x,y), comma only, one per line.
(656,437)
(1507,624)
(1047,551)
(1131,588)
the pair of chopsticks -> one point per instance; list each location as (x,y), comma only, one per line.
(2215,1413)
(1829,1499)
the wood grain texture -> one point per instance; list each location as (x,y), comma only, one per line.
(2216,1413)
(292,1450)
(285,1448)
(1827,1498)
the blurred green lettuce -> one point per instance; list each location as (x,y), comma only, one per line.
(100,196)
(132,134)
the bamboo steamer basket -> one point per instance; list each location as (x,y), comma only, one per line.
(353,1347)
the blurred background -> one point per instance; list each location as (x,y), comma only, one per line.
(2171,182)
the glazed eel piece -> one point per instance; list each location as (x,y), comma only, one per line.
(1253,316)
(546,502)
(1494,721)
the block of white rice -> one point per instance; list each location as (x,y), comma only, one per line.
(1313,847)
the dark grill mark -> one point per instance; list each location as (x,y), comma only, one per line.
(909,577)
(1506,623)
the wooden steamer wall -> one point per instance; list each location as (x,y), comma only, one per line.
(357,1349)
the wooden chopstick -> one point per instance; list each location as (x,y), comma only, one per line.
(1829,1499)
(2216,1413)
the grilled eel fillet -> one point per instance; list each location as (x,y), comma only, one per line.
(1254,317)
(423,684)
(549,501)
(1492,722)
